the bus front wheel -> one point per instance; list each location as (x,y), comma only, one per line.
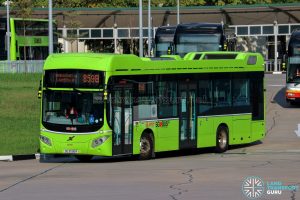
(146,147)
(222,139)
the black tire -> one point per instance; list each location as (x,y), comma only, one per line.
(84,158)
(222,139)
(146,147)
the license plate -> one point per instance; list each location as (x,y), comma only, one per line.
(72,151)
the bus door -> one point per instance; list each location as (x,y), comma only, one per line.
(122,119)
(187,115)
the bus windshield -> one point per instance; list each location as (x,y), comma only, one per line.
(162,48)
(73,108)
(197,42)
(294,73)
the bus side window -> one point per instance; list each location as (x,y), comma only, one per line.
(205,96)
(222,93)
(167,99)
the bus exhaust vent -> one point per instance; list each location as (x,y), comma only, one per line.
(251,60)
(197,56)
(219,56)
(162,58)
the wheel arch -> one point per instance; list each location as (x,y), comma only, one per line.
(223,125)
(150,132)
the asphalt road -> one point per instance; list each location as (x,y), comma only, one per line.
(176,175)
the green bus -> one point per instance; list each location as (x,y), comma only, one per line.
(107,105)
(35,39)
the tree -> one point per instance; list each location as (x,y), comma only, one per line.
(72,23)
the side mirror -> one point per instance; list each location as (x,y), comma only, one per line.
(284,62)
(169,50)
(40,90)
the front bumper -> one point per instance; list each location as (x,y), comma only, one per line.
(76,144)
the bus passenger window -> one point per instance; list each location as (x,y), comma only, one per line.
(167,99)
(241,92)
(222,93)
(147,108)
(205,96)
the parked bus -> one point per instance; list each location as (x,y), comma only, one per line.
(107,105)
(164,39)
(293,69)
(191,37)
(35,40)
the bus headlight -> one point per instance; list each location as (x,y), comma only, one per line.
(99,141)
(46,140)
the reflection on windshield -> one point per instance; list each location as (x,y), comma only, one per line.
(294,73)
(162,48)
(73,108)
(197,43)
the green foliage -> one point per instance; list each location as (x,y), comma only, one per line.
(20,111)
(155,3)
(22,8)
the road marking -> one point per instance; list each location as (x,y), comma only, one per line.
(6,158)
(276,85)
(298,131)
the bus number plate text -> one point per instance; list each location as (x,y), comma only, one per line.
(71,151)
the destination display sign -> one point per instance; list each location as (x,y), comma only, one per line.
(73,78)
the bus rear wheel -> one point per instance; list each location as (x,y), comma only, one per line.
(146,147)
(84,158)
(222,139)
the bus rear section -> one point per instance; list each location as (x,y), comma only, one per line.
(293,69)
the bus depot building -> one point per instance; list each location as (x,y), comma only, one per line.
(264,28)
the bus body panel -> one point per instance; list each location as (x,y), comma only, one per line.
(206,132)
(13,45)
(241,129)
(168,134)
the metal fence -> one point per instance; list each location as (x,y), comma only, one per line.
(36,66)
(21,66)
(270,66)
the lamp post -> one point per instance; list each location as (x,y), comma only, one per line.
(50,28)
(141,28)
(178,17)
(149,28)
(276,68)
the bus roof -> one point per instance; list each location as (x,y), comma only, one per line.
(126,64)
(199,28)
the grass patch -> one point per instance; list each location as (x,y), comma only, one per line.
(19,114)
